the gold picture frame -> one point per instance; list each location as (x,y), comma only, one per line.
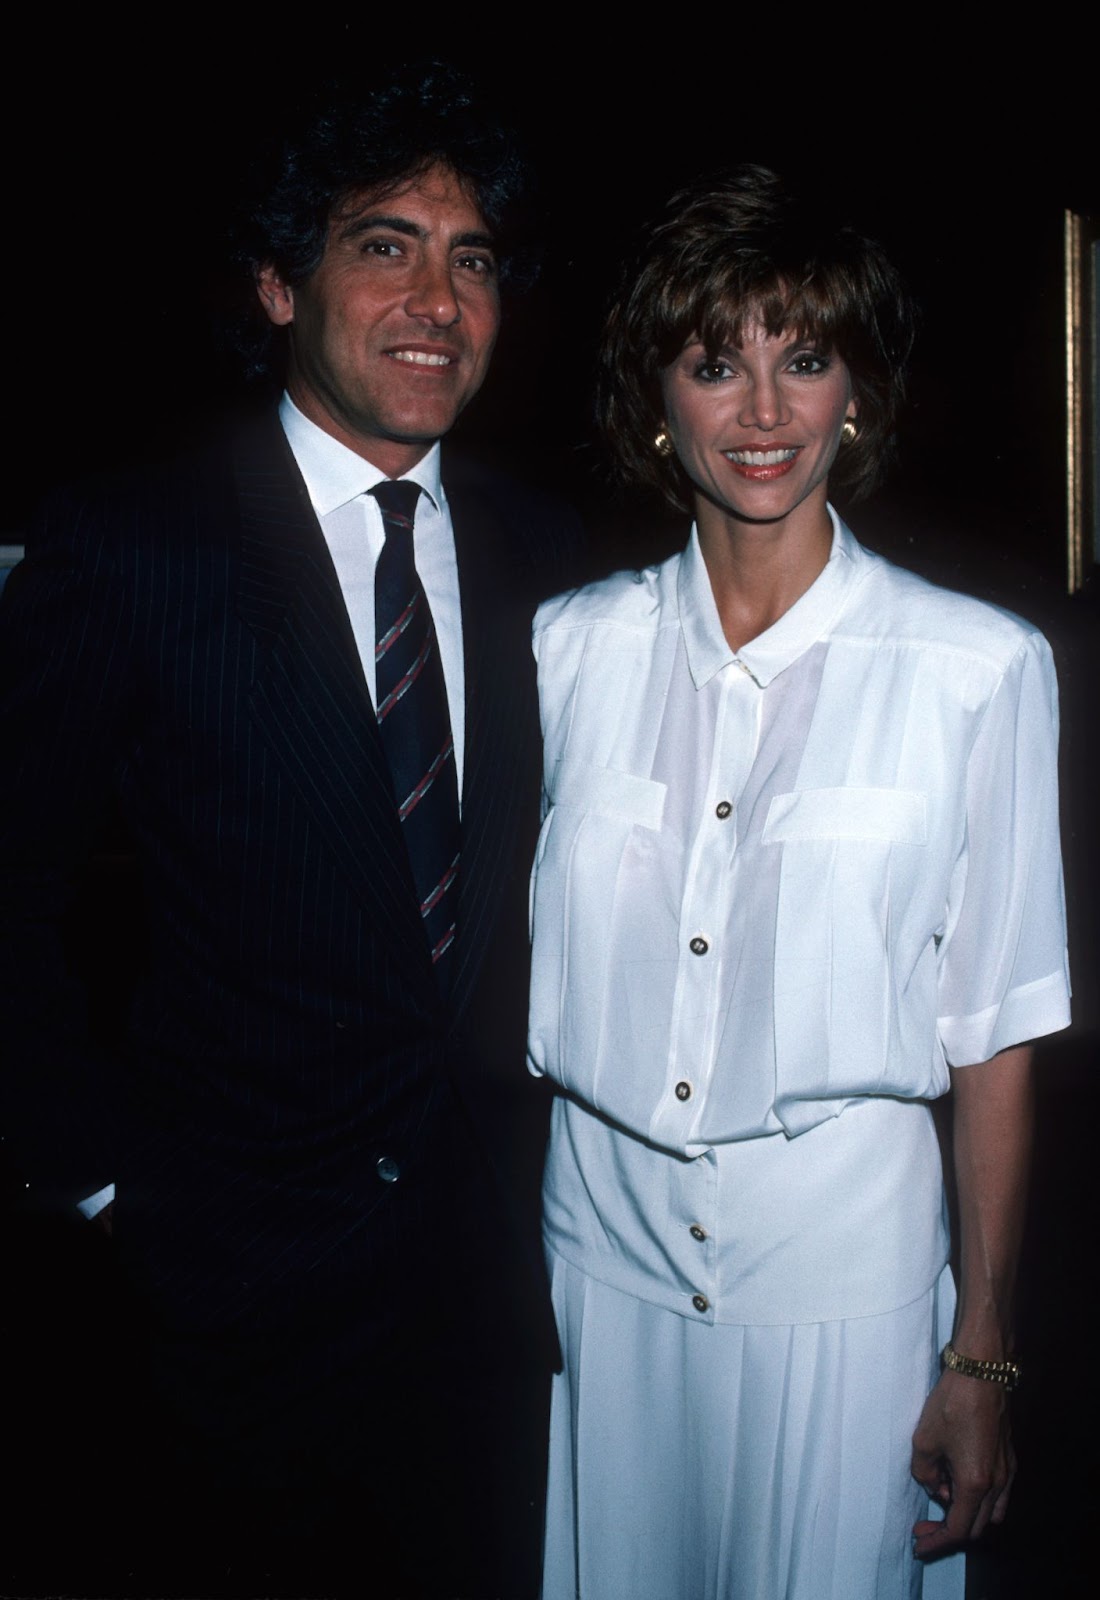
(1082,311)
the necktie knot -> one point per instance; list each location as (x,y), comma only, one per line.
(397,499)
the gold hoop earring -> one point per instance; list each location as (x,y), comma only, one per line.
(849,433)
(662,443)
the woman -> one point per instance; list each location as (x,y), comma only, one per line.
(799,875)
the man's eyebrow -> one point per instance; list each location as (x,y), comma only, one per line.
(473,241)
(381,219)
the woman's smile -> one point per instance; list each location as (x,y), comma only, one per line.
(764,464)
(757,425)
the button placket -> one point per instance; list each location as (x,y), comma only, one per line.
(704,907)
(691,1219)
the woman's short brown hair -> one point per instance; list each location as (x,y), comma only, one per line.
(740,248)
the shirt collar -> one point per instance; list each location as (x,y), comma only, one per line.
(334,475)
(790,637)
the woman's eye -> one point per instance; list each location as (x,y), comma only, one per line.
(808,362)
(713,371)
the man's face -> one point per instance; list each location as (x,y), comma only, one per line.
(391,335)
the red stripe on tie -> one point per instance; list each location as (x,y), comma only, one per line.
(416,795)
(391,636)
(402,687)
(444,944)
(440,889)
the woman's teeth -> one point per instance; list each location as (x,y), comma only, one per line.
(759,458)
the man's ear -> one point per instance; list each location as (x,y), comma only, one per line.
(276,296)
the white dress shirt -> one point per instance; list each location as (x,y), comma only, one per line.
(776,891)
(338,482)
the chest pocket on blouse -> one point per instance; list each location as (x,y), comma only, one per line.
(596,817)
(884,816)
(605,793)
(848,859)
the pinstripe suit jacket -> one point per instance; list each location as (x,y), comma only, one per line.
(179,642)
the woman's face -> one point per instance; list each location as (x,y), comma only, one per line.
(757,426)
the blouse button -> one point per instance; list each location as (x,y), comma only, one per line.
(697,1232)
(722,810)
(683,1090)
(698,946)
(700,1302)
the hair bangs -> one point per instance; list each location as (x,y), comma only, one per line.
(808,304)
(735,252)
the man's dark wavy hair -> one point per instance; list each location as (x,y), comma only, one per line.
(378,137)
(738,248)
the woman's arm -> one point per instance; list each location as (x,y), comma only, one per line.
(962,1447)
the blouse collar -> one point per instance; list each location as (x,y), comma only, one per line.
(772,651)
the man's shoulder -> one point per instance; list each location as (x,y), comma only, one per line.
(528,531)
(465,477)
(189,492)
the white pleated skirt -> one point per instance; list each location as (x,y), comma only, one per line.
(720,1462)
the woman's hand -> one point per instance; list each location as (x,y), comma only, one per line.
(962,1449)
(963,1456)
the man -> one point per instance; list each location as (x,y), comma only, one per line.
(323,1148)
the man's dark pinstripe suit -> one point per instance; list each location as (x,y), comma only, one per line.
(179,642)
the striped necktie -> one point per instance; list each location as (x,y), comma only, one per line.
(414,722)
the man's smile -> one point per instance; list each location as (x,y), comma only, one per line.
(421,358)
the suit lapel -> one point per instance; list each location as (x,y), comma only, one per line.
(310,699)
(501,728)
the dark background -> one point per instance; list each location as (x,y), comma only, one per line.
(125,152)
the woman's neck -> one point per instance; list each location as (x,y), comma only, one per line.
(758,570)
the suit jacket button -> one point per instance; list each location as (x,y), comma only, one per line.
(700,1302)
(387,1169)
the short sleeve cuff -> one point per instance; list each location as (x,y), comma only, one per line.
(95,1203)
(1029,1012)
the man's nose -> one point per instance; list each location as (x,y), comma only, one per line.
(432,296)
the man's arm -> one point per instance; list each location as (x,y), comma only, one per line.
(65,679)
(962,1447)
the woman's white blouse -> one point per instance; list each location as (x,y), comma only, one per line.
(775,893)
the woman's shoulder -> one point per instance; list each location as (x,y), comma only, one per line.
(628,599)
(897,604)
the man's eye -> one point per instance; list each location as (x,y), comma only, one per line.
(381,247)
(483,266)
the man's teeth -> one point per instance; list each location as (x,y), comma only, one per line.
(760,458)
(421,358)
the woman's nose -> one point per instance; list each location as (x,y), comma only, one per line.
(763,405)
